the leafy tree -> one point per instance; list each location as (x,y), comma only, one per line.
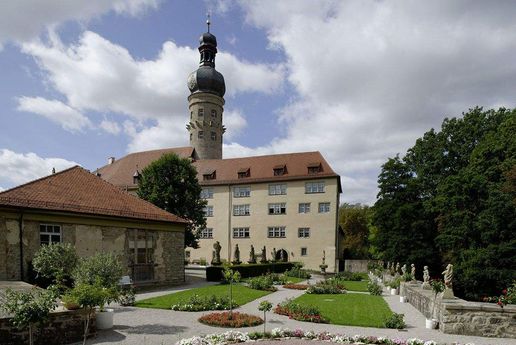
(104,269)
(171,184)
(354,222)
(56,262)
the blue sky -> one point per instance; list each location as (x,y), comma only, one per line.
(357,80)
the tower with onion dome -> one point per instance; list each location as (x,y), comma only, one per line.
(206,102)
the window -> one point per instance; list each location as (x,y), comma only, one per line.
(324,207)
(141,249)
(208,211)
(314,187)
(304,207)
(279,170)
(207,193)
(303,232)
(276,231)
(200,135)
(241,210)
(278,189)
(49,233)
(213,136)
(213,113)
(279,208)
(206,233)
(210,175)
(244,172)
(200,113)
(304,251)
(191,115)
(240,232)
(241,192)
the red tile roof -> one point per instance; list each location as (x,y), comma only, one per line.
(261,168)
(79,191)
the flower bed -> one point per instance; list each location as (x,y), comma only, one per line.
(279,333)
(227,319)
(296,286)
(202,303)
(299,312)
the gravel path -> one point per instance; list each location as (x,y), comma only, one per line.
(140,326)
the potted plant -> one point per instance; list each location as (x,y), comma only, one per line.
(437,287)
(394,285)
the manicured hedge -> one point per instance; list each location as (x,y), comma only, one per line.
(214,273)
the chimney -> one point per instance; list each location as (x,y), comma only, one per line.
(111,160)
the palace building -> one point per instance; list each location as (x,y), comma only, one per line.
(285,202)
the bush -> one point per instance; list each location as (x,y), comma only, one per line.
(127,297)
(262,283)
(227,319)
(103,269)
(345,275)
(296,286)
(374,288)
(56,263)
(298,272)
(328,286)
(508,296)
(395,283)
(215,273)
(201,303)
(299,312)
(395,321)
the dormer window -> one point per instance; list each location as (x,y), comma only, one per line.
(209,175)
(244,172)
(136,177)
(314,168)
(280,170)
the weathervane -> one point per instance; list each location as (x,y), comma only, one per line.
(208,22)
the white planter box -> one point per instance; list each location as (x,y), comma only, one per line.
(105,319)
(403,299)
(431,323)
(394,291)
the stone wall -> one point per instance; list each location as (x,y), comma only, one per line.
(356,265)
(63,327)
(457,316)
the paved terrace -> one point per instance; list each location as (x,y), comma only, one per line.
(141,326)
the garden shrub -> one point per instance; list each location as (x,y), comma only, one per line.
(328,286)
(298,272)
(127,297)
(508,296)
(262,283)
(395,321)
(299,312)
(374,288)
(227,319)
(55,262)
(215,273)
(202,303)
(103,269)
(345,275)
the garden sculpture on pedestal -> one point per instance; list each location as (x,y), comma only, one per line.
(323,266)
(403,269)
(252,256)
(413,274)
(273,253)
(236,256)
(426,279)
(448,278)
(397,270)
(216,254)
(263,260)
(282,255)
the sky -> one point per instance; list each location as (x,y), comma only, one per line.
(359,81)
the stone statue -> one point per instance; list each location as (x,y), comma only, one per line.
(388,265)
(323,267)
(324,257)
(448,282)
(236,257)
(252,256)
(282,255)
(264,255)
(215,261)
(274,253)
(413,273)
(426,279)
(397,269)
(403,269)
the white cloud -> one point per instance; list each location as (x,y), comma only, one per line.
(23,20)
(371,77)
(17,168)
(111,127)
(97,75)
(235,123)
(56,111)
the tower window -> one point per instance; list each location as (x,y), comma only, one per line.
(213,136)
(191,136)
(191,115)
(200,113)
(213,113)
(200,135)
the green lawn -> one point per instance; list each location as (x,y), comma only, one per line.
(350,309)
(241,295)
(355,285)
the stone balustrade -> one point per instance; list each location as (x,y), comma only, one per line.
(457,316)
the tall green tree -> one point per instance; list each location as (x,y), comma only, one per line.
(171,184)
(353,220)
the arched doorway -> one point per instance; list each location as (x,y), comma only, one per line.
(282,255)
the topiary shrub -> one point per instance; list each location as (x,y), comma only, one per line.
(215,273)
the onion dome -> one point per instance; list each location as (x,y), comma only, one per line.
(206,78)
